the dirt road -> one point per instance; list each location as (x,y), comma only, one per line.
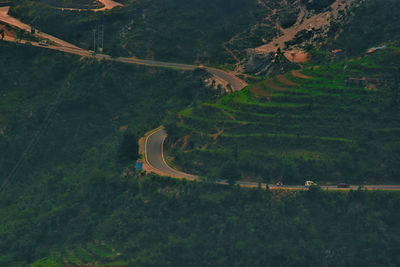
(4,17)
(108,4)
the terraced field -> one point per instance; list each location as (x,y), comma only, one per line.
(91,254)
(319,123)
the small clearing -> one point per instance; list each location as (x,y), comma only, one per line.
(259,92)
(185,141)
(305,21)
(108,4)
(215,136)
(297,56)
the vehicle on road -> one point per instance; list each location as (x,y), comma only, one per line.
(279,183)
(309,183)
(343,185)
(43,43)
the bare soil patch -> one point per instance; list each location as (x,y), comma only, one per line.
(283,79)
(259,92)
(270,83)
(185,141)
(297,56)
(298,74)
(215,136)
(123,128)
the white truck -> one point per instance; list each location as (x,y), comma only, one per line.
(309,183)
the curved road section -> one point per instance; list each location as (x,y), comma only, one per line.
(155,141)
(236,83)
(108,4)
(155,155)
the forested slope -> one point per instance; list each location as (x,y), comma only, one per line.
(72,113)
(78,219)
(332,123)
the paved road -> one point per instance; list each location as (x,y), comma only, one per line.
(324,187)
(236,83)
(155,158)
(155,141)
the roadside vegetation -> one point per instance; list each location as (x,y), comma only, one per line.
(62,114)
(370,24)
(69,193)
(332,123)
(177,31)
(84,4)
(105,219)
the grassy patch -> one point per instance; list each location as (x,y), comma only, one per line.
(323,124)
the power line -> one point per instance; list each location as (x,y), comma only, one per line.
(34,140)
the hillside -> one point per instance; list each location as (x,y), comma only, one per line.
(178,31)
(72,113)
(336,123)
(221,32)
(317,106)
(98,219)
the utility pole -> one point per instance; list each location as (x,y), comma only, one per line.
(100,37)
(94,40)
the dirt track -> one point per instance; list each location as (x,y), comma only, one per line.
(108,4)
(4,17)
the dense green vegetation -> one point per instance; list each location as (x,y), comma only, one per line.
(73,109)
(372,23)
(73,3)
(293,128)
(154,222)
(69,128)
(63,117)
(179,31)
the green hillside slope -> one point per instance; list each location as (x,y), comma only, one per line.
(329,123)
(71,112)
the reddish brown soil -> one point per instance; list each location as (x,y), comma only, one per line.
(258,91)
(123,128)
(283,79)
(298,74)
(6,32)
(215,136)
(270,83)
(297,56)
(185,141)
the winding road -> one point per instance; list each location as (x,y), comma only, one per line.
(154,142)
(60,45)
(108,4)
(154,152)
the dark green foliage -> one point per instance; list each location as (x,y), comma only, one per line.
(323,129)
(371,24)
(71,109)
(288,17)
(317,5)
(178,31)
(84,4)
(128,149)
(167,222)
(230,172)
